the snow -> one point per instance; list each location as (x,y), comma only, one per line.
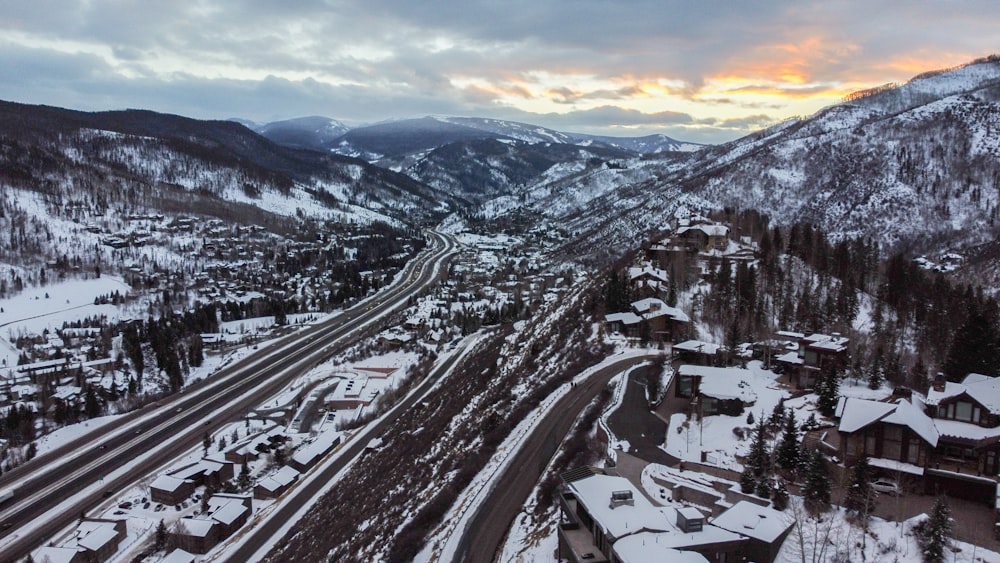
(715,436)
(760,522)
(72,433)
(645,548)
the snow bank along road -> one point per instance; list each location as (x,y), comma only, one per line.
(53,490)
(487,529)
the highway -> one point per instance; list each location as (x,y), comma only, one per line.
(258,537)
(508,493)
(53,490)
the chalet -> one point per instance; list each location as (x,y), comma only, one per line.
(715,390)
(648,281)
(967,416)
(897,436)
(604,518)
(178,556)
(704,237)
(952,448)
(814,353)
(659,321)
(697,352)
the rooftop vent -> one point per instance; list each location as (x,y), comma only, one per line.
(690,520)
(621,498)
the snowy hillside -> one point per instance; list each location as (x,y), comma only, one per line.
(912,167)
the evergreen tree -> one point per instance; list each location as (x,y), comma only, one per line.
(788,454)
(206,442)
(758,460)
(780,496)
(161,536)
(828,389)
(91,405)
(934,534)
(860,497)
(974,348)
(748,482)
(817,487)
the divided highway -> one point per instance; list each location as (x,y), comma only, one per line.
(53,490)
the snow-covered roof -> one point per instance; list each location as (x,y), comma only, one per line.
(644,547)
(168,483)
(722,383)
(229,512)
(323,444)
(97,537)
(856,414)
(697,346)
(710,230)
(281,478)
(758,522)
(910,416)
(635,272)
(968,430)
(197,527)
(983,389)
(893,465)
(628,318)
(835,343)
(652,307)
(178,556)
(55,554)
(594,493)
(790,358)
(790,335)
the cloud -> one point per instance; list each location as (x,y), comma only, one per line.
(642,66)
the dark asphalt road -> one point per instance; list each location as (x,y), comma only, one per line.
(633,421)
(489,526)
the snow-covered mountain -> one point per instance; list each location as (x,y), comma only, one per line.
(650,144)
(150,162)
(913,166)
(314,132)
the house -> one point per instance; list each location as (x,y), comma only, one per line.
(206,472)
(230,512)
(716,390)
(967,417)
(195,535)
(814,353)
(648,281)
(99,539)
(276,484)
(703,236)
(170,490)
(600,512)
(650,318)
(697,352)
(764,527)
(891,435)
(310,454)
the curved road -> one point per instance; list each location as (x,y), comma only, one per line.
(53,490)
(489,525)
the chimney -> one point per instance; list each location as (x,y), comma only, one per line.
(939,381)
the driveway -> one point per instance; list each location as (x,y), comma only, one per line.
(634,422)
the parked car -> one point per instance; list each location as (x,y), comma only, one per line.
(886,486)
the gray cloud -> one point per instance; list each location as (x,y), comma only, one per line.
(367,61)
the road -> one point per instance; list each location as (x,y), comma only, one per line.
(492,520)
(53,490)
(634,423)
(259,536)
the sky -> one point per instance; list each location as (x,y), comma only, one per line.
(706,71)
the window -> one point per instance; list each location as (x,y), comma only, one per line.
(685,388)
(892,443)
(963,411)
(913,451)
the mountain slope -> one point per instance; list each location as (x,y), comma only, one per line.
(914,167)
(314,132)
(203,159)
